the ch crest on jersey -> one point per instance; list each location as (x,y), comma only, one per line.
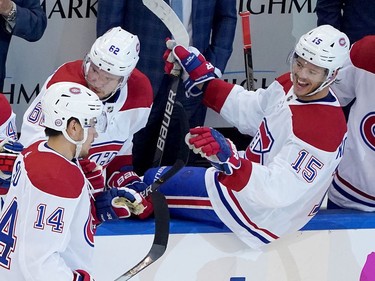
(261,144)
(367,129)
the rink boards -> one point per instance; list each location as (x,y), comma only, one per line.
(333,246)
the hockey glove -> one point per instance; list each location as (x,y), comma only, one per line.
(94,174)
(117,203)
(9,151)
(82,275)
(213,146)
(196,70)
(126,179)
(171,65)
(132,181)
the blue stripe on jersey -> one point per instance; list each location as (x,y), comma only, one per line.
(235,217)
(351,197)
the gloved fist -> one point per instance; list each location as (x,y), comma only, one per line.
(9,151)
(94,174)
(171,65)
(213,146)
(117,203)
(196,69)
(127,179)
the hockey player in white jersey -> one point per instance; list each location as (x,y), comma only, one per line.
(354,183)
(277,185)
(109,69)
(46,230)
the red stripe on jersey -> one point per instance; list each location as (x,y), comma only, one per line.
(240,177)
(69,72)
(188,202)
(322,126)
(52,173)
(216,93)
(140,92)
(248,220)
(285,81)
(348,185)
(6,109)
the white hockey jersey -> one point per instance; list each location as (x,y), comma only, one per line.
(289,164)
(8,127)
(45,225)
(125,114)
(354,184)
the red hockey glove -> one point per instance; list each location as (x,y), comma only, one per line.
(9,151)
(196,69)
(82,275)
(94,174)
(132,181)
(118,203)
(171,65)
(213,146)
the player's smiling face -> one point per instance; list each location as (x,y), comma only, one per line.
(306,77)
(101,82)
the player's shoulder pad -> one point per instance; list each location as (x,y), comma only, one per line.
(285,82)
(69,72)
(5,108)
(320,125)
(52,174)
(362,53)
(140,92)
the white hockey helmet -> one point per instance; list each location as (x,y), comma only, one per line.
(326,47)
(65,100)
(116,52)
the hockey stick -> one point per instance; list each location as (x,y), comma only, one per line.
(161,211)
(245,19)
(166,14)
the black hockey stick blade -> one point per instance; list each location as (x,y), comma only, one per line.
(160,242)
(161,211)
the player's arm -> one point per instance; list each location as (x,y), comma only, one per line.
(283,181)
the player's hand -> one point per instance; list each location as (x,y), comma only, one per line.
(82,275)
(118,203)
(94,174)
(213,146)
(128,179)
(196,70)
(9,151)
(171,65)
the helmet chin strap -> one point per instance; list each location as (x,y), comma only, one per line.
(321,87)
(78,144)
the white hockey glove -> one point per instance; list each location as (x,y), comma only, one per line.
(213,146)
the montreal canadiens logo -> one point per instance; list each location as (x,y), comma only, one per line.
(342,42)
(368,130)
(75,90)
(58,122)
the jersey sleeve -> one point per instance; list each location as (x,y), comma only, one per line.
(242,108)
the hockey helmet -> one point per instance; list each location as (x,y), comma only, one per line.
(116,52)
(65,100)
(324,46)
